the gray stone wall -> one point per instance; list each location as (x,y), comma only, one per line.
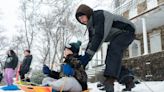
(147,67)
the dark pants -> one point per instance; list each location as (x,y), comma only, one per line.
(84,85)
(115,53)
(22,73)
(22,76)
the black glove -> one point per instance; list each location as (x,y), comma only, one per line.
(46,69)
(84,60)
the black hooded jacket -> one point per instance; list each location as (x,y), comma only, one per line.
(25,67)
(102,26)
(11,62)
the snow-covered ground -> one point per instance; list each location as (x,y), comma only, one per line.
(143,87)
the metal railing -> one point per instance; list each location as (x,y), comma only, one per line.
(126,6)
(123,7)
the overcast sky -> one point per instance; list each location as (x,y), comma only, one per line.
(9,15)
(9,11)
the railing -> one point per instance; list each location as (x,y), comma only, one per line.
(122,8)
(126,6)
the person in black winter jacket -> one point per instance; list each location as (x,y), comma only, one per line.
(10,65)
(25,66)
(104,26)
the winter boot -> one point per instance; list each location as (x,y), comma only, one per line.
(109,84)
(129,85)
(101,86)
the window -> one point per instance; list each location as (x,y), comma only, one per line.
(133,12)
(135,49)
(155,42)
(151,4)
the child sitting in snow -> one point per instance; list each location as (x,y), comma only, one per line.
(72,77)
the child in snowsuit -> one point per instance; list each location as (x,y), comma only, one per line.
(72,76)
(10,65)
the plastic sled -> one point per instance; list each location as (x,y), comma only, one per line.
(35,88)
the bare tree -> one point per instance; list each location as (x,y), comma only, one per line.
(59,29)
(3,44)
(46,25)
(47,33)
(29,13)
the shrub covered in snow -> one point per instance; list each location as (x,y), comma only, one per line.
(37,77)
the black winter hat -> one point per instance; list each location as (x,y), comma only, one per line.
(74,47)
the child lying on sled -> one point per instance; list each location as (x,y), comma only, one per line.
(72,76)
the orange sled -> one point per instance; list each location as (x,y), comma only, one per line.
(35,88)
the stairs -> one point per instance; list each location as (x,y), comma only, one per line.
(95,73)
